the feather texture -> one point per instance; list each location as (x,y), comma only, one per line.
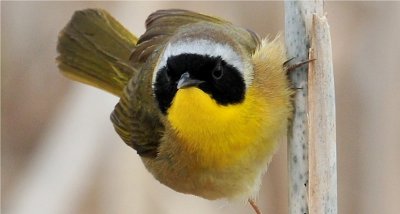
(94,49)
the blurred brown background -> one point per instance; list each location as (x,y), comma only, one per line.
(60,153)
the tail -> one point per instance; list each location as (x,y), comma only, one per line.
(94,49)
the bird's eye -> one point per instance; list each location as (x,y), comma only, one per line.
(218,71)
(217,74)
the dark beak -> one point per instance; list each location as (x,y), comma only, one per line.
(185,81)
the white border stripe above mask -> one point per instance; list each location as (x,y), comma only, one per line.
(202,47)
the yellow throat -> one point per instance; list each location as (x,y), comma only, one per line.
(218,134)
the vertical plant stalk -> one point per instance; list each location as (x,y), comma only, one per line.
(322,122)
(298,24)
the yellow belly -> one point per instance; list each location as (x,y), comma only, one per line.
(220,135)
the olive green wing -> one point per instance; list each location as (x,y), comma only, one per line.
(94,49)
(136,117)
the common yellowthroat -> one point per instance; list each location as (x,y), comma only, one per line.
(202,101)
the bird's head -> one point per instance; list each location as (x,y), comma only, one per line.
(215,70)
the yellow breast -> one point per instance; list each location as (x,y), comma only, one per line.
(219,135)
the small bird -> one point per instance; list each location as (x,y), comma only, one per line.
(202,101)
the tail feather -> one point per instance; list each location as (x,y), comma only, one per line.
(94,49)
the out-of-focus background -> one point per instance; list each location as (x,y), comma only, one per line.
(60,154)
